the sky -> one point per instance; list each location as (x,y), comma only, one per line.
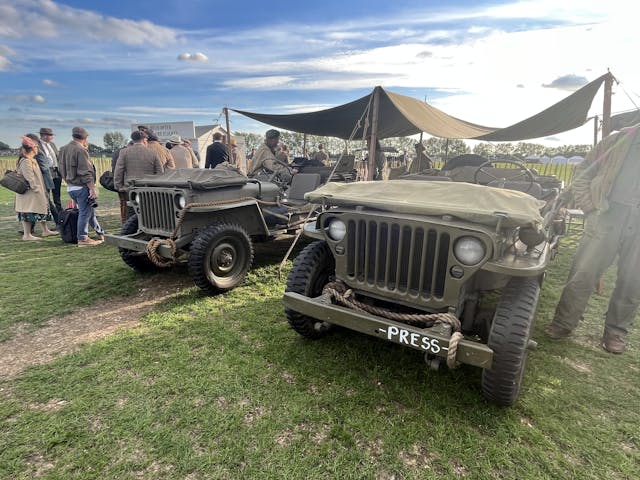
(105,65)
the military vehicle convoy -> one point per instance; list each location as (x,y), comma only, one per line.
(209,220)
(416,261)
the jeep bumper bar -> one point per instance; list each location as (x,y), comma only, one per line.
(139,245)
(433,340)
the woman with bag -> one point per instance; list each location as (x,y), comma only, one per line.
(33,205)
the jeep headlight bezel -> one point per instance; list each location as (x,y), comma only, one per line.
(336,229)
(469,250)
(180,201)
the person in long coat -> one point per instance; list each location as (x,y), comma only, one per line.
(32,206)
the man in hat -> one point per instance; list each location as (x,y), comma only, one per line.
(50,151)
(265,162)
(217,152)
(80,174)
(153,142)
(134,162)
(181,156)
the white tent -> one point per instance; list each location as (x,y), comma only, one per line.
(575,160)
(559,160)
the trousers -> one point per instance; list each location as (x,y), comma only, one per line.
(610,234)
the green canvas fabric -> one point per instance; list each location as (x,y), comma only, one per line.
(400,115)
(466,201)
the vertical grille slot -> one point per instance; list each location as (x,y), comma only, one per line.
(397,257)
(157,211)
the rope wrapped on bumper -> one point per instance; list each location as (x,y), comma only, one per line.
(152,251)
(338,292)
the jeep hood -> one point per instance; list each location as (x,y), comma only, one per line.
(474,203)
(195,178)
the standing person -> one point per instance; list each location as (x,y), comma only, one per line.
(283,154)
(181,156)
(153,142)
(217,152)
(32,206)
(135,162)
(195,158)
(49,185)
(79,172)
(265,161)
(607,189)
(51,152)
(321,155)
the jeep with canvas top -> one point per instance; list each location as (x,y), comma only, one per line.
(208,220)
(416,261)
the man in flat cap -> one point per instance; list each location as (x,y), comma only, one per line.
(265,162)
(80,174)
(50,151)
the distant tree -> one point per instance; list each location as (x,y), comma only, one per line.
(484,149)
(113,141)
(444,149)
(95,150)
(4,146)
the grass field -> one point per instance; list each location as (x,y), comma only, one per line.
(220,387)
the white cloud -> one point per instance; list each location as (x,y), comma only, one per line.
(193,57)
(45,18)
(25,98)
(5,53)
(50,83)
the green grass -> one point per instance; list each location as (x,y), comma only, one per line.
(220,387)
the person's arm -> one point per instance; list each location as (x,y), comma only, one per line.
(118,174)
(25,169)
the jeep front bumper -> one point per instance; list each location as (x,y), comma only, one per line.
(433,340)
(140,245)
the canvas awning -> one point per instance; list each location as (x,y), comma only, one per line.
(400,115)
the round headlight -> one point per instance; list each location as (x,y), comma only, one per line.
(181,201)
(336,229)
(469,250)
(134,198)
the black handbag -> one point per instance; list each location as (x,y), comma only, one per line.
(15,181)
(106,180)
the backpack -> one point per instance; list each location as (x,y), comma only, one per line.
(68,225)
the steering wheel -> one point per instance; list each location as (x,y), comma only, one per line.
(521,172)
(275,177)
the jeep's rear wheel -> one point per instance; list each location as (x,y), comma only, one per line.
(509,340)
(139,261)
(221,256)
(312,270)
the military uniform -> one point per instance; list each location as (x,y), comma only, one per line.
(264,161)
(608,189)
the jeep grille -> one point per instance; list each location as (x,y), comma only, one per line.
(157,211)
(403,258)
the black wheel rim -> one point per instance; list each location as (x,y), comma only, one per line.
(226,259)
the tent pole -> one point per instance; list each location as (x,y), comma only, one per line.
(304,144)
(371,167)
(226,118)
(606,108)
(596,120)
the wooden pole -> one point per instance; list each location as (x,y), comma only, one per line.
(226,118)
(596,119)
(606,108)
(374,134)
(304,145)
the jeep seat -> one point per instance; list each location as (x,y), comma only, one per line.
(300,184)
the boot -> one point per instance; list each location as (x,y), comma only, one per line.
(26,229)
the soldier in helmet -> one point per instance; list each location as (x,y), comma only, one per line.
(265,161)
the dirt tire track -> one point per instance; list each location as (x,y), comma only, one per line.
(63,335)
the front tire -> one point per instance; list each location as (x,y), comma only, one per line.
(221,256)
(139,261)
(509,340)
(312,270)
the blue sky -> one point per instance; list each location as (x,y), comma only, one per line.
(105,65)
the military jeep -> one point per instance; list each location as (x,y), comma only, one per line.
(209,220)
(449,263)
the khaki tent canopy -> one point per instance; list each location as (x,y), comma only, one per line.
(400,115)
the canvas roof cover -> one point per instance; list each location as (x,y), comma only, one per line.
(400,115)
(435,199)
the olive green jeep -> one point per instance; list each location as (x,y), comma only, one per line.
(208,220)
(416,261)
